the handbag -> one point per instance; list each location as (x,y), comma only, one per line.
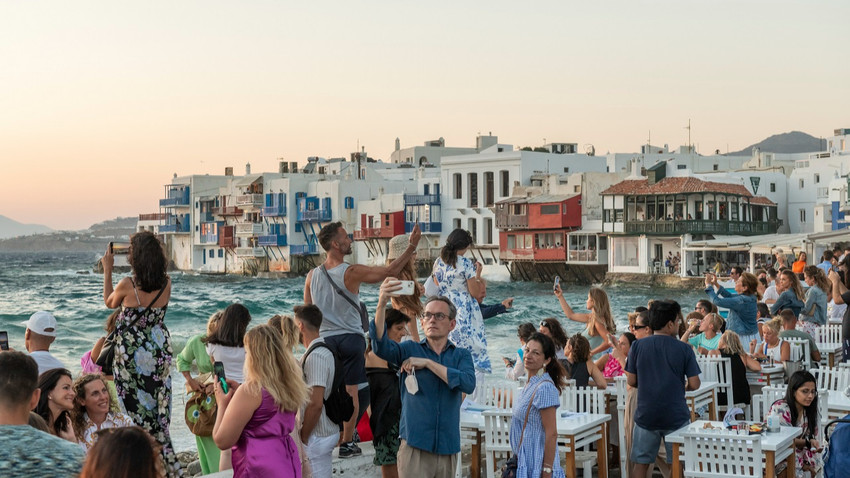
(200,412)
(107,351)
(364,313)
(510,467)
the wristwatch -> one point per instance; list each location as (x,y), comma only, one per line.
(547,469)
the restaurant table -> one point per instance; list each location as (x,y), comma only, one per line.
(776,447)
(832,349)
(769,375)
(577,429)
(705,394)
(838,404)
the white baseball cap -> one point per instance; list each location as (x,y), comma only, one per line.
(42,323)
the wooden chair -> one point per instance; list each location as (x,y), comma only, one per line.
(497,438)
(721,455)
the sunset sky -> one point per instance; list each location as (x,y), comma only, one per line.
(102,102)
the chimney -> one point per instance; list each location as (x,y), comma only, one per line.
(284,167)
(247,169)
(293,167)
(228,171)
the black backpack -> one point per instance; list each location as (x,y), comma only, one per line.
(338,406)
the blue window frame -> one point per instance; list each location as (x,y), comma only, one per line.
(349,202)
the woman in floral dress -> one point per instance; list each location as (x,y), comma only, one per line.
(143,344)
(800,409)
(459,279)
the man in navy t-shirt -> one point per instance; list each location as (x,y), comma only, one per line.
(657,367)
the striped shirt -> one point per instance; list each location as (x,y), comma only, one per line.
(319,372)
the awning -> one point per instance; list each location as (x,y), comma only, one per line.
(841,235)
(757,244)
(248,180)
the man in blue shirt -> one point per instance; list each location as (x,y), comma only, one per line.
(657,367)
(827,264)
(434,376)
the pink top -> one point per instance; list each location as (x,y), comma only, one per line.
(265,447)
(612,367)
(88,365)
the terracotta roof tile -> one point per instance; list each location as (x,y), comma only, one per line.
(678,185)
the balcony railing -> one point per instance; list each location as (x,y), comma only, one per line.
(251,200)
(209,238)
(702,227)
(315,215)
(274,211)
(425,227)
(516,255)
(250,252)
(511,221)
(228,211)
(174,202)
(554,254)
(371,233)
(583,256)
(303,250)
(273,240)
(174,229)
(421,199)
(226,241)
(206,217)
(157,216)
(249,229)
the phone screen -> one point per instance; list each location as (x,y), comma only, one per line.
(4,340)
(557,282)
(218,369)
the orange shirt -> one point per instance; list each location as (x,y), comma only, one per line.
(798,267)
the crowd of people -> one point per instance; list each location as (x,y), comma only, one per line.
(270,413)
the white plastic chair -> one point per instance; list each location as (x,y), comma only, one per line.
(829,334)
(620,385)
(584,400)
(721,455)
(500,396)
(719,369)
(833,379)
(497,438)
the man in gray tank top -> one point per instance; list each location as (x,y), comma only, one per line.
(342,327)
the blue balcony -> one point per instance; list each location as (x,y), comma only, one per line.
(424,227)
(303,250)
(174,229)
(421,199)
(273,240)
(177,197)
(316,215)
(209,238)
(278,210)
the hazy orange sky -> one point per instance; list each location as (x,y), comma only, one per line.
(101,102)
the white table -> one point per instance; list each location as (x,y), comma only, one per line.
(838,404)
(769,375)
(832,349)
(705,394)
(577,431)
(777,447)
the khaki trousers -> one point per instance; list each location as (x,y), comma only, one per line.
(416,463)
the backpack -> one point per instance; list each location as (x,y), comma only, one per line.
(338,406)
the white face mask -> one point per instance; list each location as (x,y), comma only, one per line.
(411,383)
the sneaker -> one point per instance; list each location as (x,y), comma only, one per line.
(348,450)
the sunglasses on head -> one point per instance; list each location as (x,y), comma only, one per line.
(638,327)
(544,324)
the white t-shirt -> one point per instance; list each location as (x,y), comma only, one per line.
(46,361)
(770,294)
(233,359)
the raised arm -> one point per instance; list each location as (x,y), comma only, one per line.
(358,274)
(837,287)
(112,297)
(308,295)
(381,344)
(568,311)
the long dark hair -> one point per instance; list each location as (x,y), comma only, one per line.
(46,383)
(147,258)
(458,240)
(794,383)
(559,336)
(231,328)
(126,452)
(554,369)
(581,348)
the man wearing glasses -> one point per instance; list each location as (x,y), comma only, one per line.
(435,375)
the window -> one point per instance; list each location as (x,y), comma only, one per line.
(576,189)
(489,192)
(550,209)
(488,231)
(566,170)
(682,166)
(803,216)
(472,180)
(715,167)
(773,187)
(349,202)
(802,183)
(455,224)
(473,229)
(505,180)
(297,227)
(458,184)
(511,241)
(817,178)
(221,253)
(212,253)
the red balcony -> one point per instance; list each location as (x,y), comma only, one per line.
(555,254)
(373,233)
(226,237)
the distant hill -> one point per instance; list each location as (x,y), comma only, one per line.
(793,142)
(93,239)
(11,228)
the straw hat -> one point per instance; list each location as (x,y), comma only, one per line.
(398,245)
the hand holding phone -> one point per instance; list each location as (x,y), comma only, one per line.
(218,370)
(4,340)
(406,288)
(557,286)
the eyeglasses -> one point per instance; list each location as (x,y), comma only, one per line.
(438,316)
(808,392)
(638,327)
(544,324)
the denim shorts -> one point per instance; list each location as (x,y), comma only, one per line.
(645,444)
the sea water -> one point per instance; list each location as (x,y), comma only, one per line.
(63,284)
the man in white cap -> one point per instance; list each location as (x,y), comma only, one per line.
(41,332)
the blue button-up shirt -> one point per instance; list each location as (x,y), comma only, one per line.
(430,420)
(743,310)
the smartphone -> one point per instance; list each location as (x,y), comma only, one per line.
(4,340)
(111,247)
(511,361)
(406,288)
(119,247)
(557,283)
(218,370)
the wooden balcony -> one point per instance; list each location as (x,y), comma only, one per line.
(373,233)
(249,200)
(701,226)
(248,229)
(511,221)
(228,211)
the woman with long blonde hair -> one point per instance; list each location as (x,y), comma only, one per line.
(600,320)
(257,417)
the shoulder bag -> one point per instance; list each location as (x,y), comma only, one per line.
(510,467)
(107,352)
(361,308)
